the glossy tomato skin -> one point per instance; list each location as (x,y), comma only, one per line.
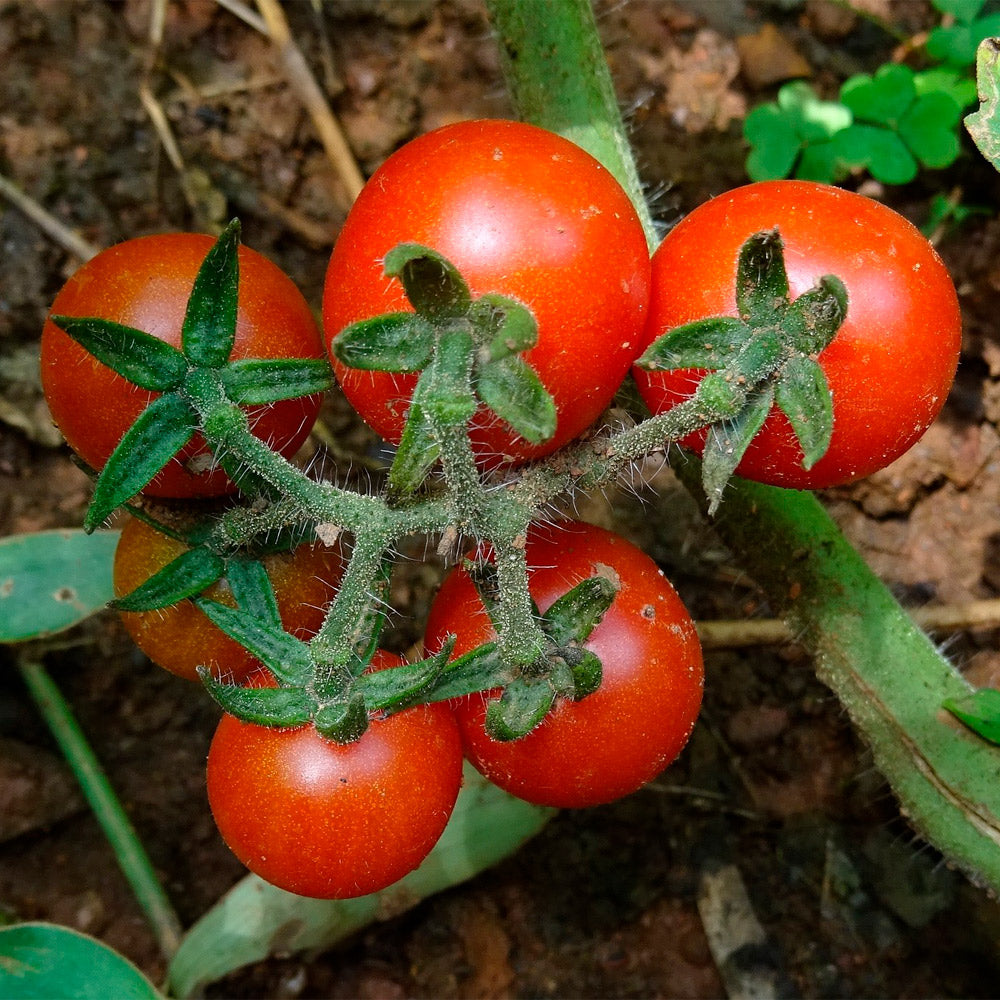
(610,743)
(890,366)
(520,212)
(145,283)
(330,821)
(180,638)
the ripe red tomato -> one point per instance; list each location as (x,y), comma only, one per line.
(613,741)
(520,212)
(335,821)
(180,638)
(890,366)
(145,283)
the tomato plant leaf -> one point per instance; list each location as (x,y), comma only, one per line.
(521,707)
(984,124)
(209,329)
(980,711)
(803,395)
(189,574)
(574,615)
(761,279)
(279,707)
(136,355)
(159,432)
(433,284)
(254,381)
(285,656)
(252,590)
(727,442)
(511,388)
(705,343)
(504,326)
(51,580)
(394,342)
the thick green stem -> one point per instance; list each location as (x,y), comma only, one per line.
(131,856)
(889,676)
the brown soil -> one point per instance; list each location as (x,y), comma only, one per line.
(603,902)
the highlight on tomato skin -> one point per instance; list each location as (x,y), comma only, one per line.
(145,283)
(609,743)
(520,212)
(889,368)
(335,821)
(180,638)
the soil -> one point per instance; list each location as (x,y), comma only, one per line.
(604,902)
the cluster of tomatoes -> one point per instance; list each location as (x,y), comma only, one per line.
(524,214)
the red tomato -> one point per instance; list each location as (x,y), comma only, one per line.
(613,741)
(180,638)
(889,367)
(145,283)
(520,212)
(335,821)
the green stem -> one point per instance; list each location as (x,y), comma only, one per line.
(889,676)
(128,849)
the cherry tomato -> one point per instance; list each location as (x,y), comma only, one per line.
(335,821)
(611,742)
(180,638)
(145,283)
(890,366)
(520,212)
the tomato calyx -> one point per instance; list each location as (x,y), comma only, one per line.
(467,351)
(765,356)
(193,381)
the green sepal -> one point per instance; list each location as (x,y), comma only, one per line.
(705,343)
(342,720)
(396,687)
(444,387)
(256,381)
(159,432)
(521,707)
(367,630)
(209,329)
(803,395)
(728,441)
(136,355)
(506,326)
(511,388)
(816,316)
(432,283)
(393,342)
(481,669)
(189,574)
(285,656)
(586,668)
(276,708)
(417,452)
(761,278)
(251,589)
(980,711)
(759,358)
(574,615)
